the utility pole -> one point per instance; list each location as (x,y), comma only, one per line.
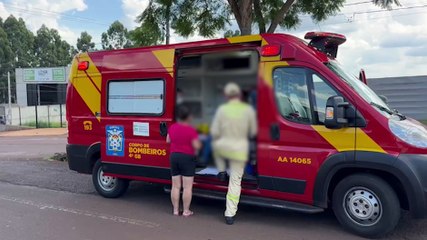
(9,111)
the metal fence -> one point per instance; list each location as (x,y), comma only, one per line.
(46,116)
(407,94)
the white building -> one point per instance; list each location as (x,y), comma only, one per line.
(41,86)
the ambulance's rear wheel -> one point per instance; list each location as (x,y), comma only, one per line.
(106,186)
(366,205)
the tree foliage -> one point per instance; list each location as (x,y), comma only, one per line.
(50,49)
(84,42)
(184,17)
(155,23)
(116,37)
(16,50)
(203,17)
(207,18)
(268,15)
(231,33)
(21,40)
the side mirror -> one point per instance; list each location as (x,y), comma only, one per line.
(362,76)
(335,112)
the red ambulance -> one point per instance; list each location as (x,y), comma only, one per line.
(325,140)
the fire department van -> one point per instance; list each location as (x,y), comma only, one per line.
(325,139)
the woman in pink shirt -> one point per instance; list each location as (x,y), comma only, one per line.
(184,143)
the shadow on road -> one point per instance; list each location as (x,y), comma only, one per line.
(262,218)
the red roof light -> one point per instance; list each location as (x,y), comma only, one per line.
(270,50)
(83,66)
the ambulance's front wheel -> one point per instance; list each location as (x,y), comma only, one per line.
(366,205)
(106,186)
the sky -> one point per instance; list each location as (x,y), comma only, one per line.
(383,43)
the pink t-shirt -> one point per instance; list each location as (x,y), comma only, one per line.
(181,138)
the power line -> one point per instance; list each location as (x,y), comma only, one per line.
(47,13)
(357,3)
(390,10)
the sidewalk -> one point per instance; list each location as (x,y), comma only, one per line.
(35,132)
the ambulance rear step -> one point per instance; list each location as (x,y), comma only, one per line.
(257,201)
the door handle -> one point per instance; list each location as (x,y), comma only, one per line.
(163,129)
(275,131)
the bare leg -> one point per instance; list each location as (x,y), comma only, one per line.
(175,193)
(187,195)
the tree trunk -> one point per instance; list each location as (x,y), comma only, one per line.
(259,17)
(246,14)
(280,15)
(242,11)
(167,24)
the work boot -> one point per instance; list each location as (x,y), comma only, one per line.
(222,176)
(229,220)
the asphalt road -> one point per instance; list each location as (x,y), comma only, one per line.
(42,199)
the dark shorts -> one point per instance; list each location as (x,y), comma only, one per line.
(182,164)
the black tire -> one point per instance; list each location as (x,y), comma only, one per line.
(366,205)
(108,187)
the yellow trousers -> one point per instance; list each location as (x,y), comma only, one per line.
(237,169)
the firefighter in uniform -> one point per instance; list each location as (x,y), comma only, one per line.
(234,123)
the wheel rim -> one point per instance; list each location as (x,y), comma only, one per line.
(107,183)
(362,206)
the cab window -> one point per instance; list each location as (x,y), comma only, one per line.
(301,95)
(321,91)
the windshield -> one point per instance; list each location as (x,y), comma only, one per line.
(362,89)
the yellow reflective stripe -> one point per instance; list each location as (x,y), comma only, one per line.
(270,59)
(85,88)
(233,198)
(267,68)
(233,155)
(244,39)
(92,71)
(166,58)
(73,70)
(344,139)
(89,94)
(235,109)
(366,143)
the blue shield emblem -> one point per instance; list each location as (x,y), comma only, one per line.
(115,141)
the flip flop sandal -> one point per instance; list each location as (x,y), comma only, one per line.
(187,214)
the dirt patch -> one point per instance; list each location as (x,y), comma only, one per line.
(62,157)
(35,132)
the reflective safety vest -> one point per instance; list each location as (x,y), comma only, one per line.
(234,123)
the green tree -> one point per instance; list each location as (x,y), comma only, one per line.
(6,64)
(155,24)
(50,49)
(21,40)
(185,17)
(18,51)
(84,42)
(231,33)
(270,14)
(116,37)
(209,17)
